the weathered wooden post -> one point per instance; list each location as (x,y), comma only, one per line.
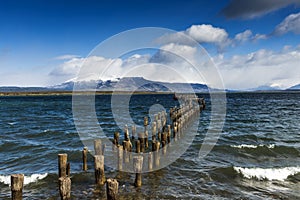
(62,165)
(63,180)
(169,134)
(116,138)
(159,129)
(126,133)
(17,182)
(150,161)
(99,169)
(64,188)
(84,158)
(112,186)
(137,167)
(156,153)
(146,123)
(133,132)
(138,146)
(153,131)
(146,139)
(98,147)
(127,147)
(142,141)
(120,157)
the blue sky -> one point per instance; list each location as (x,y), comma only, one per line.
(39,39)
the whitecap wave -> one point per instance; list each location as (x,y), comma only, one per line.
(27,179)
(251,146)
(279,174)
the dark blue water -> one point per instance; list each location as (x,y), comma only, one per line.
(256,157)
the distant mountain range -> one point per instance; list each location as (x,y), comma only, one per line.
(131,84)
(122,84)
(295,87)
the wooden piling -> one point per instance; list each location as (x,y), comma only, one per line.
(146,122)
(65,188)
(156,154)
(153,131)
(169,134)
(138,146)
(127,147)
(120,157)
(112,186)
(98,147)
(142,141)
(17,182)
(62,165)
(84,158)
(137,166)
(126,133)
(133,132)
(146,139)
(99,169)
(150,161)
(116,138)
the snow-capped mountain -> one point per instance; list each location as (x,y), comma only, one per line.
(130,84)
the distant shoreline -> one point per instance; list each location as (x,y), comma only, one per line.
(70,93)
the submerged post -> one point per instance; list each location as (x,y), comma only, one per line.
(133,132)
(137,167)
(65,188)
(98,147)
(84,158)
(17,182)
(99,169)
(112,186)
(116,138)
(150,161)
(62,165)
(120,157)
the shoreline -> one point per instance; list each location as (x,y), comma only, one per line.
(70,93)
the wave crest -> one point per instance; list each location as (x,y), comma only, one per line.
(279,174)
(250,146)
(27,179)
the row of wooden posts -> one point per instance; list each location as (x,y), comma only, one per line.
(161,136)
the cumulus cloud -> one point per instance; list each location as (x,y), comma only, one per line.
(255,8)
(171,63)
(244,36)
(290,24)
(206,33)
(259,68)
(175,63)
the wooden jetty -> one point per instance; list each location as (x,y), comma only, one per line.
(163,130)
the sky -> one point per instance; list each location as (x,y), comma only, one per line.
(251,43)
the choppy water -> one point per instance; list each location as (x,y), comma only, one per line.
(256,157)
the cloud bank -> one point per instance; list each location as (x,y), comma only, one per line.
(255,8)
(290,24)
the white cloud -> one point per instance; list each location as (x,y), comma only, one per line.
(259,68)
(244,36)
(290,24)
(68,68)
(206,33)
